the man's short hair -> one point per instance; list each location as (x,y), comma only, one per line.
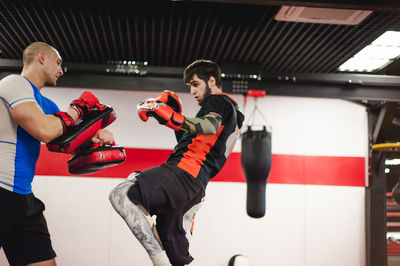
(204,69)
(33,49)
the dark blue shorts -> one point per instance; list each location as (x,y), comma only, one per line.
(174,196)
(23,229)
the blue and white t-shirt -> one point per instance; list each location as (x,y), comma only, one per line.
(19,151)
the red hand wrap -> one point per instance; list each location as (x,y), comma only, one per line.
(66,120)
(84,103)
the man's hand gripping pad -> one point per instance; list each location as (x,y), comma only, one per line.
(96,159)
(99,117)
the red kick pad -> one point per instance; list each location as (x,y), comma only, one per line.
(94,160)
(96,119)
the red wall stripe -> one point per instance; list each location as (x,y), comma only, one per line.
(286,169)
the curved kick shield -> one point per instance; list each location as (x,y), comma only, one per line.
(94,160)
(96,119)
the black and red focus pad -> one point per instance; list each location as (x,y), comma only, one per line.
(96,159)
(96,119)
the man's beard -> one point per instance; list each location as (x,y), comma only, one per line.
(206,94)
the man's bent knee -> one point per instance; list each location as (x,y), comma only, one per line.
(118,194)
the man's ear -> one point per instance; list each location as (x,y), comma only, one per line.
(41,58)
(211,82)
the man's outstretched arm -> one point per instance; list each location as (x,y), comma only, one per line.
(206,125)
(165,115)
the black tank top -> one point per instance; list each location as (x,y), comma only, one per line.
(203,156)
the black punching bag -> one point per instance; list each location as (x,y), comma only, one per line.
(256,164)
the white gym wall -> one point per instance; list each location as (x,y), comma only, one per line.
(310,220)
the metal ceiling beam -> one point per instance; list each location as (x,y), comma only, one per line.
(362,87)
(321,90)
(383,5)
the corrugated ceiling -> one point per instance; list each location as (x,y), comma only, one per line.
(167,33)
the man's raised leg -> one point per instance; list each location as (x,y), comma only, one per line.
(138,220)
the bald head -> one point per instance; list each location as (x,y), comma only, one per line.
(42,64)
(34,49)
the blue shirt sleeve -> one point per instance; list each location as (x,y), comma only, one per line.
(49,107)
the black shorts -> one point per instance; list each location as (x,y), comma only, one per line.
(174,196)
(23,229)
